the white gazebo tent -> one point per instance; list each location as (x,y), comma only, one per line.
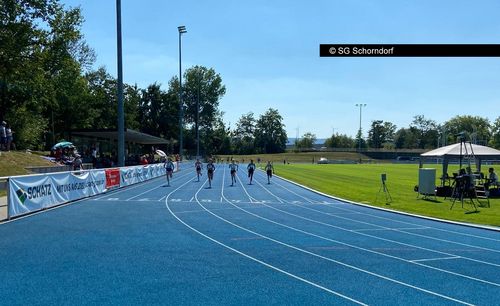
(459,151)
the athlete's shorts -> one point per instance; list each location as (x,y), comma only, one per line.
(198,168)
(269,173)
(210,171)
(233,172)
(170,169)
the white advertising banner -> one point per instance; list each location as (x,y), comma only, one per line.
(30,193)
(136,174)
(36,192)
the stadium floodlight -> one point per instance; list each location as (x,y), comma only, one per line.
(121,116)
(360,105)
(182,30)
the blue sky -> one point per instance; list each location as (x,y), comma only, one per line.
(267,53)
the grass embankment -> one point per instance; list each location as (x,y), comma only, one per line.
(15,163)
(306,157)
(361,183)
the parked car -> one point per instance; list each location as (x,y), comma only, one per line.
(323,160)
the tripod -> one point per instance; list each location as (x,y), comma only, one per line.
(383,186)
(464,188)
(464,183)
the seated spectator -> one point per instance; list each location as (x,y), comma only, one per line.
(492,179)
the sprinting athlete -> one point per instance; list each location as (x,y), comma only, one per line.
(169,166)
(269,171)
(233,167)
(210,172)
(198,165)
(251,169)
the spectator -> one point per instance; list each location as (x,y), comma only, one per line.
(10,138)
(492,179)
(77,163)
(3,136)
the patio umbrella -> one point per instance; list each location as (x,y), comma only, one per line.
(161,153)
(63,144)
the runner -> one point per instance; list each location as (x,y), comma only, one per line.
(198,165)
(210,172)
(169,166)
(234,167)
(269,171)
(251,169)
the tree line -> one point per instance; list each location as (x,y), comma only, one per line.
(422,133)
(48,88)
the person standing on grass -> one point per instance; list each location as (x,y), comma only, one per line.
(198,166)
(251,169)
(10,138)
(210,172)
(269,172)
(3,136)
(169,167)
(233,167)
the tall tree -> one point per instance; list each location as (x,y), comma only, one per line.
(270,134)
(495,134)
(340,141)
(425,132)
(381,133)
(244,134)
(307,141)
(476,129)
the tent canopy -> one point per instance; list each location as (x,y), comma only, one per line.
(454,151)
(461,150)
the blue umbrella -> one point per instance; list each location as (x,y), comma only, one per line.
(63,144)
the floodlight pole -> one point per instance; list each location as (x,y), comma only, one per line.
(121,120)
(360,105)
(198,120)
(182,30)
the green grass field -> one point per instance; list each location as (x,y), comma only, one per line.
(361,183)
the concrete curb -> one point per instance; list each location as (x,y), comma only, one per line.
(487,227)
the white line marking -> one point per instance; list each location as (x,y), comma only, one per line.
(320,256)
(388,229)
(345,202)
(390,240)
(255,259)
(431,259)
(155,188)
(360,248)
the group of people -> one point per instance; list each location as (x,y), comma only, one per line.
(233,167)
(67,156)
(6,137)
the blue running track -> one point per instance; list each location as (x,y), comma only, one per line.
(263,243)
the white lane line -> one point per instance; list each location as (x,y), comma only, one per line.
(123,189)
(186,174)
(432,259)
(388,229)
(343,203)
(163,197)
(253,258)
(253,200)
(320,256)
(361,248)
(382,227)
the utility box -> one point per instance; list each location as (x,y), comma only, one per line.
(427,181)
